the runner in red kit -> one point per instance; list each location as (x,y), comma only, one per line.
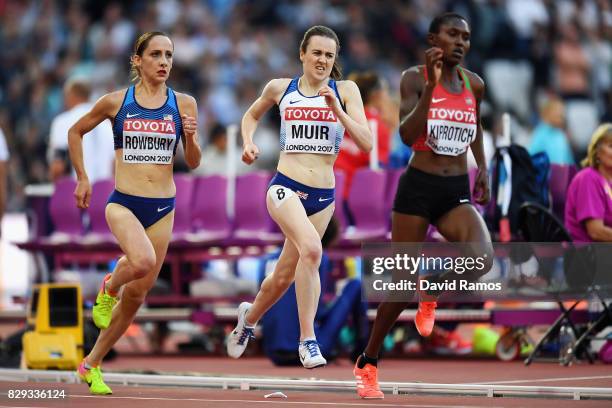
(440,119)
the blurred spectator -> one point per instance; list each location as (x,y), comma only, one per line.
(361,54)
(4,155)
(588,212)
(228,49)
(215,155)
(549,136)
(541,58)
(375,96)
(599,51)
(98,149)
(112,36)
(526,16)
(584,12)
(573,66)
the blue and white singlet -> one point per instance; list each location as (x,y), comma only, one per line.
(147,135)
(308,125)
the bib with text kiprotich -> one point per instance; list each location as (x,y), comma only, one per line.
(148,141)
(450,131)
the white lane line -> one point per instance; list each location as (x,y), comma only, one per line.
(596,377)
(20,406)
(267,401)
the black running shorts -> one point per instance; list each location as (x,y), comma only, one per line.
(430,196)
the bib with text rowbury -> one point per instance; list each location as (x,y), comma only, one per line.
(148,141)
(147,136)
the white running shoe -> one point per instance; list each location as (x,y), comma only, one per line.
(310,354)
(239,338)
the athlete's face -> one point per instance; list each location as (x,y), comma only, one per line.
(454,39)
(156,60)
(319,57)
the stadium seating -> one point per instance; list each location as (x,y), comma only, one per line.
(366,202)
(183,204)
(209,219)
(560,178)
(204,231)
(252,224)
(98,227)
(66,217)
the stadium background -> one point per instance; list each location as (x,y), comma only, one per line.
(529,52)
(225,51)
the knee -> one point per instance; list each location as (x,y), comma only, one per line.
(311,253)
(142,265)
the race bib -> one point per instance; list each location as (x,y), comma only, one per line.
(148,141)
(310,130)
(279,194)
(450,131)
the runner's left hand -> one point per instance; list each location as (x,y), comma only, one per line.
(481,187)
(190,126)
(330,99)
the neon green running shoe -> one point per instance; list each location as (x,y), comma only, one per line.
(103,308)
(93,378)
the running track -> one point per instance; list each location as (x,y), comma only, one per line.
(439,371)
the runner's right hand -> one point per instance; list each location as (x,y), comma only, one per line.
(82,193)
(433,64)
(250,153)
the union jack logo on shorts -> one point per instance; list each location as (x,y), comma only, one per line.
(302,195)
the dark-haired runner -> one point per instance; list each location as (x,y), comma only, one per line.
(440,119)
(315,110)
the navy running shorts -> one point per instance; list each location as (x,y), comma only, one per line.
(147,210)
(313,199)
